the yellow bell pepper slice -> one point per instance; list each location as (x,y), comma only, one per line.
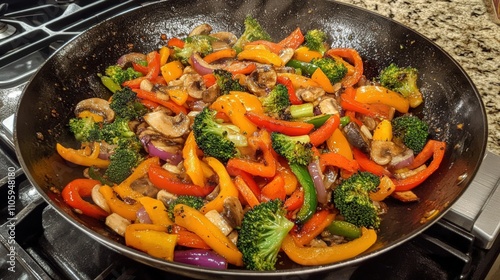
(235,110)
(81,157)
(164,54)
(305,54)
(151,239)
(250,101)
(178,96)
(338,143)
(193,220)
(192,164)
(299,81)
(383,131)
(128,211)
(156,210)
(124,189)
(260,55)
(227,187)
(331,254)
(320,77)
(172,70)
(378,94)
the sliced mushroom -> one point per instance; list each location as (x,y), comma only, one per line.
(382,152)
(144,187)
(170,127)
(233,211)
(262,80)
(99,199)
(310,94)
(202,29)
(328,105)
(210,94)
(219,221)
(356,137)
(226,37)
(286,54)
(146,85)
(193,83)
(97,106)
(165,197)
(117,223)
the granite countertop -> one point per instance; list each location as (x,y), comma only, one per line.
(464,29)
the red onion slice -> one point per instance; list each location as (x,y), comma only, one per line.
(201,257)
(317,176)
(201,66)
(130,57)
(172,158)
(143,216)
(402,160)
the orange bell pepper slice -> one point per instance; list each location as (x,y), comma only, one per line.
(151,96)
(226,185)
(127,211)
(245,191)
(313,227)
(224,53)
(275,189)
(338,160)
(338,143)
(80,157)
(327,255)
(366,164)
(378,94)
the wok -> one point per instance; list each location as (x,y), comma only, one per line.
(69,76)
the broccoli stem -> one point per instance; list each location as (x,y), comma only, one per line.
(302,111)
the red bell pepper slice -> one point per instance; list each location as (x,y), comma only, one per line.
(151,96)
(275,189)
(294,99)
(338,160)
(74,191)
(285,127)
(353,57)
(366,164)
(189,239)
(294,201)
(140,68)
(294,40)
(313,227)
(175,42)
(438,150)
(247,178)
(209,79)
(153,59)
(163,179)
(321,134)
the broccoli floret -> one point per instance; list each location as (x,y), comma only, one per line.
(112,133)
(315,40)
(195,202)
(412,131)
(201,44)
(296,149)
(253,31)
(84,129)
(276,102)
(120,75)
(216,139)
(121,163)
(402,80)
(262,231)
(226,82)
(126,105)
(352,199)
(333,69)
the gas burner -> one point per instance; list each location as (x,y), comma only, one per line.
(6,30)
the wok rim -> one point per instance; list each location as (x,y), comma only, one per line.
(191,270)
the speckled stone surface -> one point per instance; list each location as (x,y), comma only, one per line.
(463,28)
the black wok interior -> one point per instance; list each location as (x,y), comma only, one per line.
(71,75)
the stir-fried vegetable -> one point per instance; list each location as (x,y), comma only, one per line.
(209,153)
